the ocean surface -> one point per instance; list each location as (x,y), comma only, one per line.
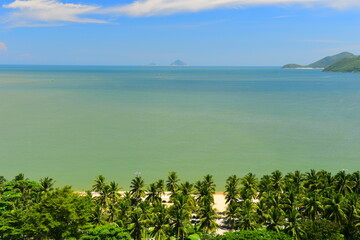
(73,123)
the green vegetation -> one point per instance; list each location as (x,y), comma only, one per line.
(292,65)
(351,64)
(324,62)
(254,235)
(313,205)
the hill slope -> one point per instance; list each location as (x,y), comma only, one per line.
(351,64)
(327,61)
(324,62)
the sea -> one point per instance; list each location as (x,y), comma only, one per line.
(73,123)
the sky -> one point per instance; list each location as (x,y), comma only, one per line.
(199,32)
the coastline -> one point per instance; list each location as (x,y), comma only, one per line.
(304,68)
(219,199)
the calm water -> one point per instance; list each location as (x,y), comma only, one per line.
(74,123)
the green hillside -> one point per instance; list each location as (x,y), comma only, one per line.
(327,61)
(292,65)
(351,64)
(324,62)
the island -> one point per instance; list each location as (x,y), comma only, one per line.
(350,64)
(322,63)
(178,63)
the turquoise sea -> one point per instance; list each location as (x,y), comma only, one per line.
(73,123)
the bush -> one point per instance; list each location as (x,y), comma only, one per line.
(322,229)
(254,235)
(106,232)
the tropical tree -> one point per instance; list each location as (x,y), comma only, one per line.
(335,209)
(207,217)
(180,213)
(293,225)
(172,182)
(250,186)
(246,216)
(137,189)
(160,223)
(312,206)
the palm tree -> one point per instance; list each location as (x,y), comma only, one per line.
(325,180)
(352,210)
(275,220)
(277,181)
(311,180)
(355,177)
(207,217)
(172,182)
(262,212)
(231,215)
(97,217)
(160,185)
(180,213)
(290,201)
(312,206)
(265,185)
(102,188)
(294,182)
(46,184)
(160,222)
(246,216)
(186,188)
(293,226)
(343,183)
(114,191)
(335,210)
(153,194)
(137,189)
(124,207)
(205,190)
(250,184)
(232,189)
(137,224)
(99,184)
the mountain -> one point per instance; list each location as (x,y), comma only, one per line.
(327,61)
(350,64)
(178,63)
(323,63)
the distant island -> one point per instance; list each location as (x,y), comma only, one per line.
(322,63)
(342,62)
(178,63)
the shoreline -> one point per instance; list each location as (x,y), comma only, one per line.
(219,199)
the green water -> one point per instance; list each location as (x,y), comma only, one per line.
(74,123)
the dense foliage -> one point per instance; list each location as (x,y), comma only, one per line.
(253,235)
(313,205)
(351,64)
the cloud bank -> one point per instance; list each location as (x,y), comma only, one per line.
(166,7)
(37,12)
(52,12)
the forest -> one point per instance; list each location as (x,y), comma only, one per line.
(312,205)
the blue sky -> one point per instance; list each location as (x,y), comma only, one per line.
(199,32)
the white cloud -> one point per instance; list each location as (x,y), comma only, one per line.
(166,7)
(48,12)
(321,41)
(35,13)
(3,47)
